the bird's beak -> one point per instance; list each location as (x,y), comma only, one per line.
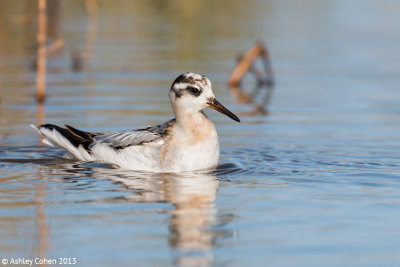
(214,104)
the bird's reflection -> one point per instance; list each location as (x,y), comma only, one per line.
(193,197)
(191,220)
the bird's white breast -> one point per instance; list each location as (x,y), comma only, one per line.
(189,151)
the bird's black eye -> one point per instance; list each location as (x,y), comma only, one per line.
(194,91)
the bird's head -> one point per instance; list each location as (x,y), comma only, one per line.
(192,92)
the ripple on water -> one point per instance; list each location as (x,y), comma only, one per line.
(237,163)
(308,165)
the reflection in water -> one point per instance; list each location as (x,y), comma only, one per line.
(194,213)
(258,99)
(42,228)
(192,195)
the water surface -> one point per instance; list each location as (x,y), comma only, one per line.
(314,182)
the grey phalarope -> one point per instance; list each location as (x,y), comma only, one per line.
(187,143)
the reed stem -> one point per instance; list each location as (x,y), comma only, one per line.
(41,52)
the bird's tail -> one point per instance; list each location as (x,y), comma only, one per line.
(54,135)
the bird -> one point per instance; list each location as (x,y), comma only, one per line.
(189,142)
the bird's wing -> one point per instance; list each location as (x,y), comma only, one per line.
(123,139)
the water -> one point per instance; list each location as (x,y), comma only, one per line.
(315,182)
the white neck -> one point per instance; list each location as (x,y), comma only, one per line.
(189,119)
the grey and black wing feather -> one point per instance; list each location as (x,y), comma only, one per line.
(123,139)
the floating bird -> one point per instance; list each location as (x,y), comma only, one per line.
(188,142)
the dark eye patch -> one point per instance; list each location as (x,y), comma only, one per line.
(193,90)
